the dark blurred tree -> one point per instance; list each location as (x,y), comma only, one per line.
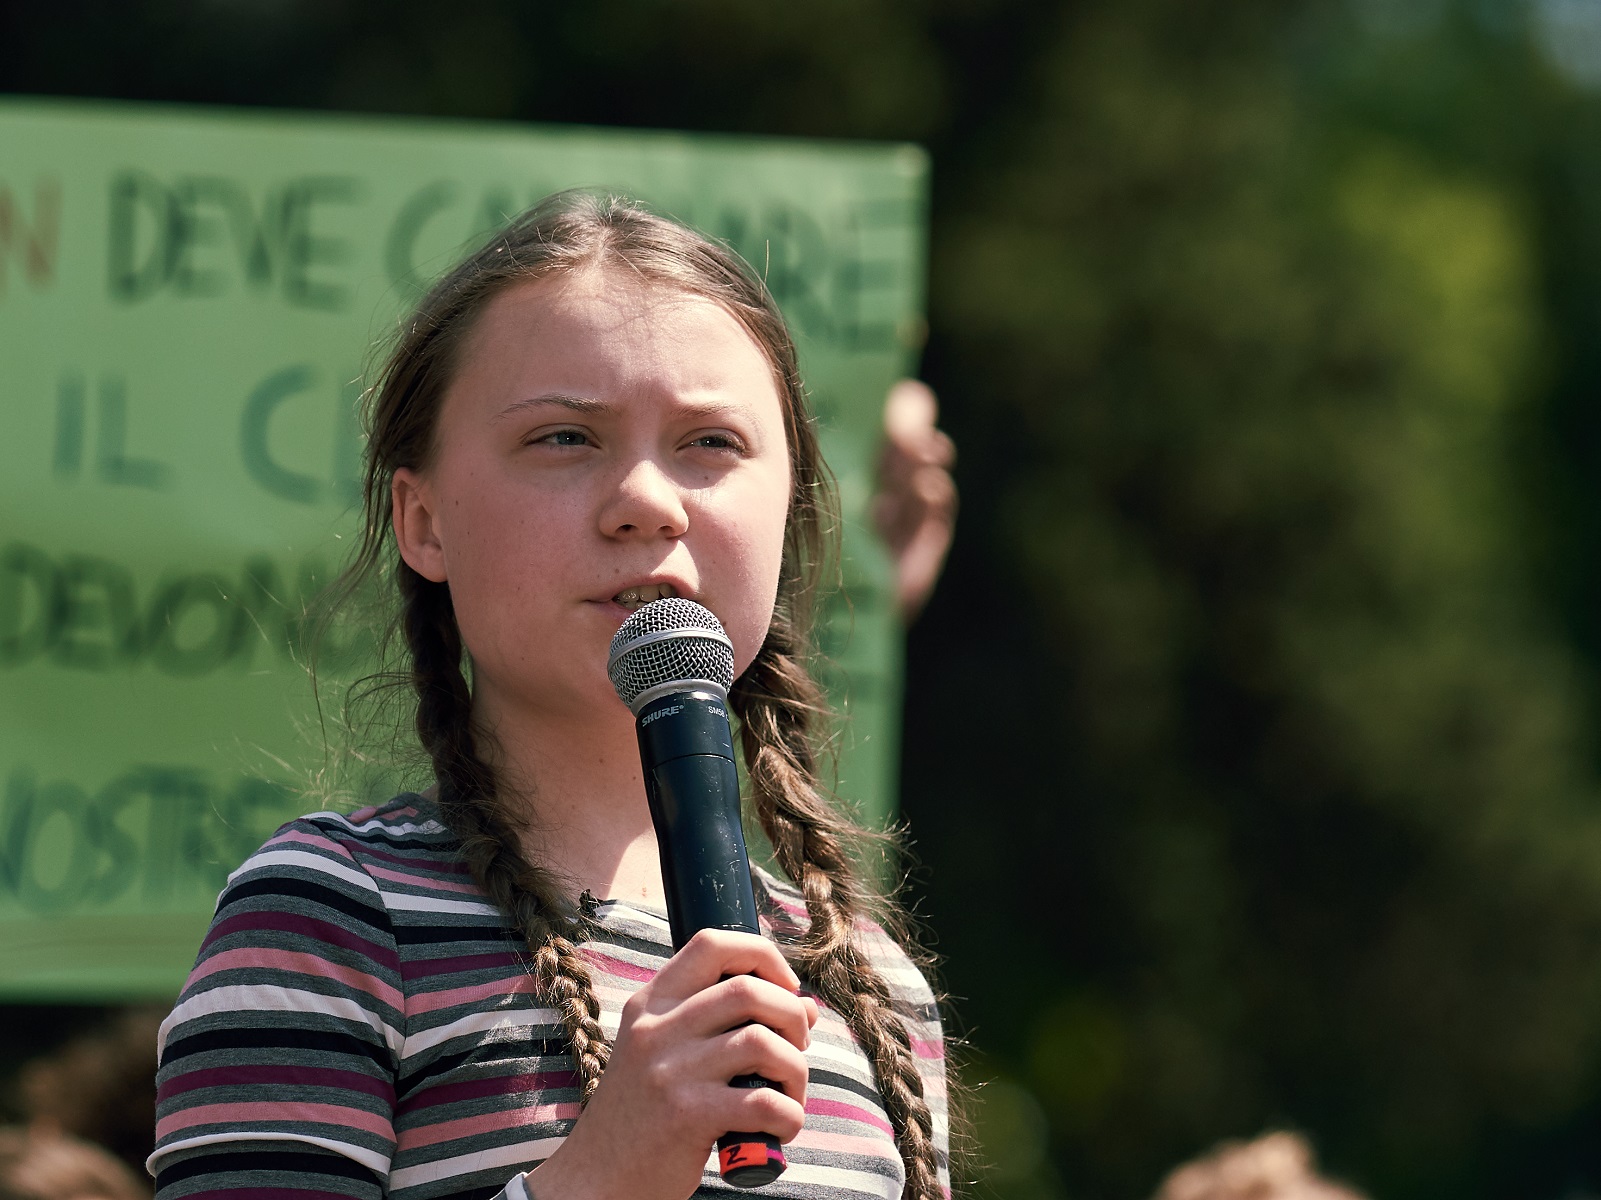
(1325,787)
(1249,737)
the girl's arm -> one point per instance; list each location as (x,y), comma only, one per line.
(278,1062)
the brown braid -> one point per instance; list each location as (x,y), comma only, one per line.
(490,845)
(779,705)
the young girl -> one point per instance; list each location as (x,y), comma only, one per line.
(425,999)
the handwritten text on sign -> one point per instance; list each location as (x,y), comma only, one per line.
(188,306)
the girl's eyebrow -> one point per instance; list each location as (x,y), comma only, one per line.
(588,404)
(581,404)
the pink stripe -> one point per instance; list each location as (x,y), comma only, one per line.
(261,1074)
(616,968)
(254,922)
(448,866)
(297,963)
(363,815)
(844,1143)
(429,1002)
(378,872)
(477,1089)
(321,841)
(427,968)
(928,1050)
(850,1112)
(275,1113)
(445,1131)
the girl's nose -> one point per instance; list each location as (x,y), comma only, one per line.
(645,501)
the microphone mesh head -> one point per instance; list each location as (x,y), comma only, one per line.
(671,640)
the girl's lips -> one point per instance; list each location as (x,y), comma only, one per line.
(639,594)
(623,603)
(615,613)
(608,606)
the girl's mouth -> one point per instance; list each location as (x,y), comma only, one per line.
(644,593)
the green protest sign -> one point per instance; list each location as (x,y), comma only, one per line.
(187,303)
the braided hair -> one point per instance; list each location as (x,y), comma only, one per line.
(779,707)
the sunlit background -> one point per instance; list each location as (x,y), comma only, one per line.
(1249,747)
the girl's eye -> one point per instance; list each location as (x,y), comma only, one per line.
(718,441)
(564,437)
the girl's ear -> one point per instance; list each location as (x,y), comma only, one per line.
(411,510)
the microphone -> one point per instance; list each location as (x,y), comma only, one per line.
(672,664)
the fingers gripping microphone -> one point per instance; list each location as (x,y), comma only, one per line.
(672,664)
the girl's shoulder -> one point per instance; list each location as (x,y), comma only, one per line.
(408,823)
(400,846)
(409,818)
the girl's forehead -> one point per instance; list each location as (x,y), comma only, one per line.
(608,300)
(608,330)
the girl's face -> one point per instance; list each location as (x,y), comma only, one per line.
(604,441)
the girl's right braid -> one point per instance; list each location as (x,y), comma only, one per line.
(778,704)
(467,801)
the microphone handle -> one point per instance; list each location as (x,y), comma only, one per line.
(692,785)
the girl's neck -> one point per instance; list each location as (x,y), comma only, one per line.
(577,788)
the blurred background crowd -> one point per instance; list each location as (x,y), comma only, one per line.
(1250,750)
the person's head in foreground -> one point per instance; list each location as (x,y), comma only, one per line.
(1276,1166)
(37,1164)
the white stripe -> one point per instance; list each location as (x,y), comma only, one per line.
(907,978)
(631,915)
(847,1057)
(845,1179)
(433,904)
(479,1160)
(371,1159)
(323,864)
(258,997)
(381,823)
(479,1023)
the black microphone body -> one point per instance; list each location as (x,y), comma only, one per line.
(687,751)
(672,664)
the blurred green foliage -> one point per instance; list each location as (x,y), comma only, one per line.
(1250,738)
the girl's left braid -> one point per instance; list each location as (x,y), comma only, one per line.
(528,895)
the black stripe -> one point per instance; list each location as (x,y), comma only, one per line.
(834,1079)
(291,1038)
(483,1053)
(226,1160)
(447,845)
(478,1193)
(375,917)
(428,935)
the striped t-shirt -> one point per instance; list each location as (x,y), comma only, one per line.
(361,1023)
